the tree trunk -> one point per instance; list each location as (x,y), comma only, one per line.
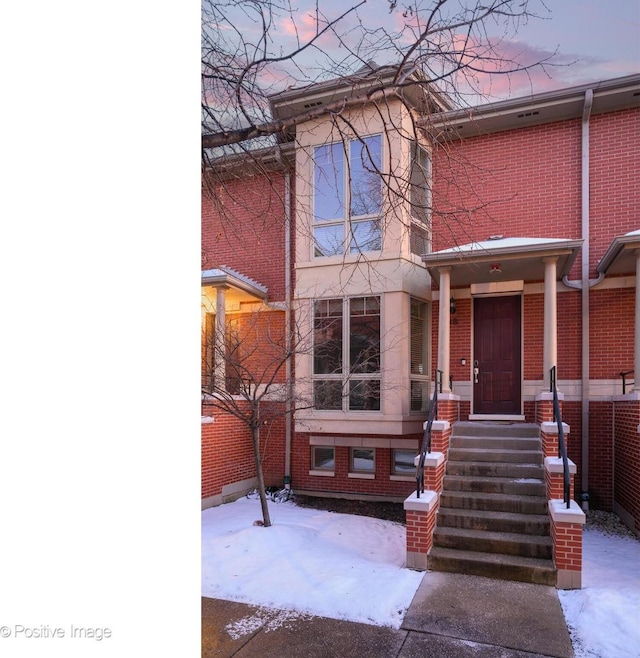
(255,436)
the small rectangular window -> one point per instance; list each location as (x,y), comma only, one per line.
(323,458)
(403,462)
(362,460)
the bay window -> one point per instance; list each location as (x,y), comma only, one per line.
(346,354)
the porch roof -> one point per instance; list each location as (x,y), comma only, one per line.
(621,256)
(240,288)
(503,259)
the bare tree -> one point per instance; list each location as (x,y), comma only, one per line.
(251,50)
(243,374)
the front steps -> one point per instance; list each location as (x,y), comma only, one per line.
(492,519)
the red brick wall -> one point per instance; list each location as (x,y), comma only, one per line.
(382,485)
(227,451)
(611,333)
(614,160)
(601,455)
(523,183)
(243,227)
(627,458)
(261,347)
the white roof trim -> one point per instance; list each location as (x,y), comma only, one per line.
(225,276)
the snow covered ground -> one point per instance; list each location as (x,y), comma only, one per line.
(349,567)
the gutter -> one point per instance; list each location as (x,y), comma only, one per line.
(287,296)
(584,285)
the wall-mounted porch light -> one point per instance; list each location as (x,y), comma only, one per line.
(452,305)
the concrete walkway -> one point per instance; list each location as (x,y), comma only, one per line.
(451,615)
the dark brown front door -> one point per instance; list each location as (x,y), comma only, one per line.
(497,370)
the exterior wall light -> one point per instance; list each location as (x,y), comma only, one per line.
(452,305)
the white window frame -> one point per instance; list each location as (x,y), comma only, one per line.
(346,377)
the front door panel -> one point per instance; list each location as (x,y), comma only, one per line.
(497,355)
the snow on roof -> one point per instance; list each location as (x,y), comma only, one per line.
(224,274)
(498,242)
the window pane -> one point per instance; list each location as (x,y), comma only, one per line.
(364,395)
(327,337)
(323,458)
(328,198)
(328,240)
(419,396)
(420,192)
(419,242)
(366,236)
(418,337)
(403,463)
(327,394)
(363,459)
(366,183)
(364,341)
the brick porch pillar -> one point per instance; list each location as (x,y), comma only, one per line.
(421,522)
(566,534)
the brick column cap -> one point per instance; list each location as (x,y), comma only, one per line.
(426,502)
(206,419)
(560,514)
(437,426)
(555,465)
(449,396)
(431,460)
(551,427)
(548,396)
(633,396)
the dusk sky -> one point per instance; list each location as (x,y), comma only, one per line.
(592,40)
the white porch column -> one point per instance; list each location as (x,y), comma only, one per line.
(444,328)
(219,341)
(636,360)
(550,318)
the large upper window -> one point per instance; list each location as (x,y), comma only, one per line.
(346,354)
(420,200)
(347,200)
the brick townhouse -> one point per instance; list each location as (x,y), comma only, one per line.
(405,247)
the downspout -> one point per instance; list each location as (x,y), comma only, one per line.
(287,316)
(584,285)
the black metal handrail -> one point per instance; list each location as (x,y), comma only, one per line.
(426,439)
(562,450)
(624,381)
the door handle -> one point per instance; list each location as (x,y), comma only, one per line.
(476,372)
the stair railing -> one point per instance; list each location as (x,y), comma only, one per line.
(426,439)
(624,381)
(562,449)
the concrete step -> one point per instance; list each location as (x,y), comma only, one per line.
(497,502)
(506,543)
(495,443)
(495,429)
(498,456)
(493,565)
(528,524)
(507,485)
(502,470)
